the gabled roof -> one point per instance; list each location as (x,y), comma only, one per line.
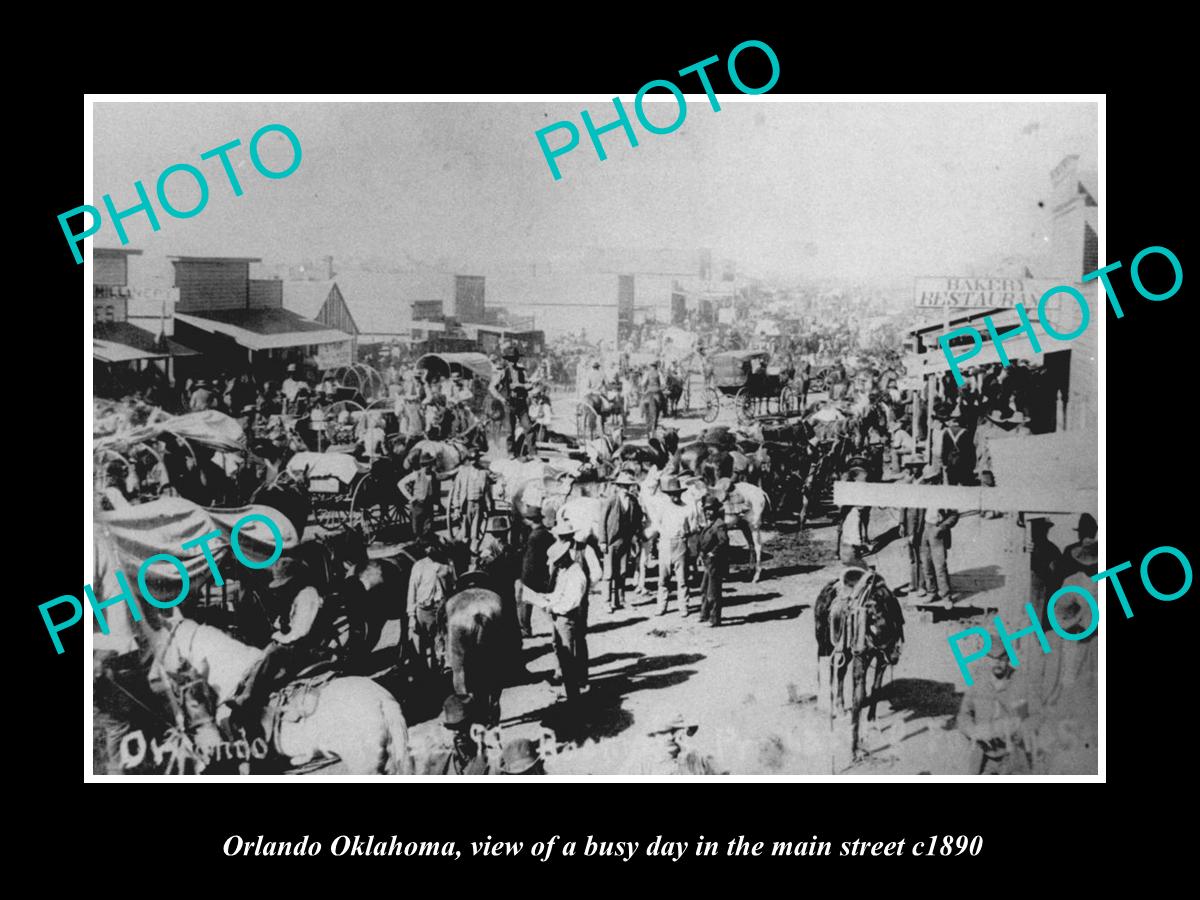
(306,297)
(381,303)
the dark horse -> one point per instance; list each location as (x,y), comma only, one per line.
(858,621)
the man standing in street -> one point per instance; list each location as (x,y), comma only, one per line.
(935,543)
(567,607)
(674,527)
(430,585)
(536,576)
(469,499)
(714,553)
(622,519)
(653,399)
(958,451)
(912,523)
(509,386)
(422,489)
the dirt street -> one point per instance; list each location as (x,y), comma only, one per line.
(752,684)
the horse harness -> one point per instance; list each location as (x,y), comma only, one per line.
(851,602)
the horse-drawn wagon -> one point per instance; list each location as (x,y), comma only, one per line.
(743,376)
(345,492)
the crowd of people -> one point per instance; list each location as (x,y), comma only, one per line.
(655,513)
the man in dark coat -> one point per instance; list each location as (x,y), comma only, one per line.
(714,552)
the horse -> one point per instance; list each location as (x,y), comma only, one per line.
(858,621)
(598,408)
(745,505)
(478,648)
(673,391)
(350,718)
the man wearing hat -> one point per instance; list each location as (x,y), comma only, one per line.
(936,542)
(593,382)
(1045,564)
(536,576)
(667,752)
(957,450)
(202,397)
(675,524)
(653,399)
(430,585)
(422,489)
(1083,555)
(470,498)
(714,555)
(622,518)
(912,523)
(521,757)
(991,718)
(566,604)
(463,756)
(301,623)
(509,385)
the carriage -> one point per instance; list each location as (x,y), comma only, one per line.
(347,493)
(476,369)
(743,377)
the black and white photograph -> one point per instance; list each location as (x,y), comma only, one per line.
(520,436)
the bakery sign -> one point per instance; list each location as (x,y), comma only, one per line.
(972,292)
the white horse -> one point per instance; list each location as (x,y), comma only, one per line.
(352,718)
(744,510)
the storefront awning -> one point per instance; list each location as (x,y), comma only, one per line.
(264,329)
(120,342)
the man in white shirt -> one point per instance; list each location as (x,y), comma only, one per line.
(675,524)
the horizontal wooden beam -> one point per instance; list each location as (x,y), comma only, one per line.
(1017,498)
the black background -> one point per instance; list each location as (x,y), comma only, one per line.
(1151,389)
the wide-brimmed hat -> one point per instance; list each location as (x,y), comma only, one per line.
(712,504)
(563,528)
(1087,525)
(519,756)
(427,458)
(510,351)
(497,525)
(1086,552)
(671,485)
(625,478)
(676,723)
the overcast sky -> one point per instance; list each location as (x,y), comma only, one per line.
(882,192)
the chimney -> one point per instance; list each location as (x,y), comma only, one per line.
(329,268)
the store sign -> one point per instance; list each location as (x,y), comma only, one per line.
(969,292)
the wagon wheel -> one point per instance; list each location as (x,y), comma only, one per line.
(744,406)
(788,402)
(331,517)
(712,404)
(377,507)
